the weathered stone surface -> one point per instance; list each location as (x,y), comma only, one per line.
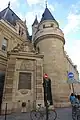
(27,65)
(39,90)
(39,96)
(9,79)
(54,65)
(8,90)
(39,82)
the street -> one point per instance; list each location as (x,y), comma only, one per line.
(62,114)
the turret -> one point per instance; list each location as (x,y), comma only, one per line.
(49,38)
(48,26)
(34,27)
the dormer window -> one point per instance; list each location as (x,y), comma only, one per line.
(12,14)
(21,32)
(43,26)
(51,25)
(4,44)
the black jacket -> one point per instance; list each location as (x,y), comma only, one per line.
(47,90)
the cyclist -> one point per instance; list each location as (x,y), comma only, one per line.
(72,98)
(74,102)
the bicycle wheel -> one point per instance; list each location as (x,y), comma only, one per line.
(35,115)
(74,113)
(52,115)
(78,117)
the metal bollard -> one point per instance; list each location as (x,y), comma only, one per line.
(6,112)
(46,108)
(46,112)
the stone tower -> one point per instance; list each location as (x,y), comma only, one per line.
(49,38)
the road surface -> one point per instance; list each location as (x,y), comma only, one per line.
(62,114)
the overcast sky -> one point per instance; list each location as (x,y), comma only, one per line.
(66,12)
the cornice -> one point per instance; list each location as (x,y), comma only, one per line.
(25,55)
(3,63)
(2,57)
(49,36)
(54,21)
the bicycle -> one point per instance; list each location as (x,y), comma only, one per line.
(40,113)
(76,112)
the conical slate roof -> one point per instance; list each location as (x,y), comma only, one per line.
(35,21)
(47,15)
(8,15)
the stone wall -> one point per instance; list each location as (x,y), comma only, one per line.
(70,67)
(8,87)
(54,66)
(39,81)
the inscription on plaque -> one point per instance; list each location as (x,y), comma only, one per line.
(24,80)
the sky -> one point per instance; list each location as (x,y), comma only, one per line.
(66,12)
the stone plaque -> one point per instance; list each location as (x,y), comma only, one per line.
(24,80)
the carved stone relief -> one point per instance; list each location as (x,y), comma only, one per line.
(24,47)
(27,65)
(23,91)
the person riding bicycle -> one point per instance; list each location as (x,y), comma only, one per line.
(74,102)
(72,98)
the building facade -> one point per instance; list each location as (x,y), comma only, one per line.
(24,59)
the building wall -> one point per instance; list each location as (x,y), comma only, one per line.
(72,68)
(13,38)
(10,33)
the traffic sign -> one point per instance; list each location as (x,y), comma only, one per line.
(70,75)
(71,78)
(45,75)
